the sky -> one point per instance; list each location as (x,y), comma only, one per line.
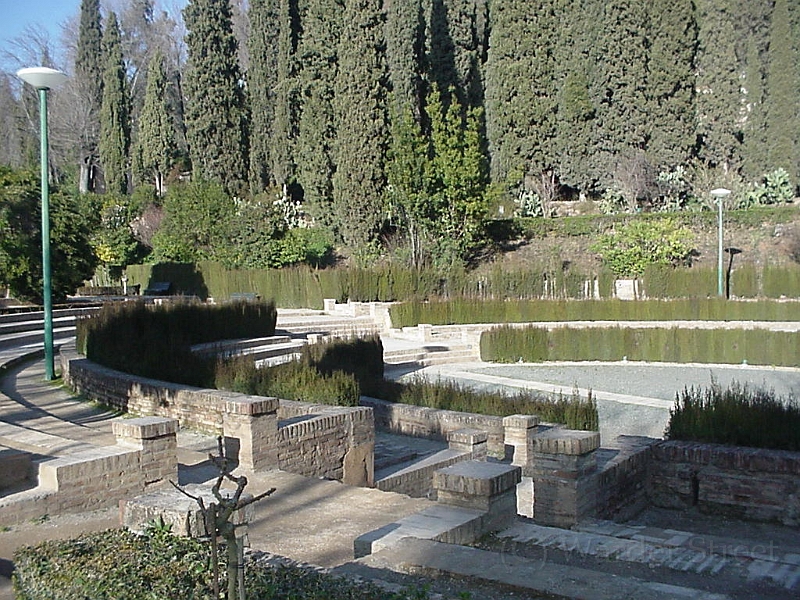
(16,15)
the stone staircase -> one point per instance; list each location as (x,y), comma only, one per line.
(651,547)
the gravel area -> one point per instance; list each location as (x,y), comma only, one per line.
(639,381)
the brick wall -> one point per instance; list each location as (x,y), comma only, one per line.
(746,483)
(327,441)
(330,441)
(623,476)
(431,423)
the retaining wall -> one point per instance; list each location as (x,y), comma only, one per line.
(432,423)
(331,442)
(746,483)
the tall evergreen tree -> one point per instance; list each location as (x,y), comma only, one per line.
(405,40)
(154,151)
(618,88)
(115,127)
(670,82)
(783,84)
(576,113)
(286,97)
(457,39)
(520,104)
(89,85)
(459,175)
(718,87)
(317,57)
(216,119)
(754,152)
(262,79)
(361,125)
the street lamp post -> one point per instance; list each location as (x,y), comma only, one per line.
(719,194)
(44,79)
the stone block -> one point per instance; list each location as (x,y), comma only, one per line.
(250,405)
(143,428)
(566,441)
(15,467)
(473,441)
(177,510)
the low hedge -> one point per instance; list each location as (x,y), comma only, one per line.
(738,415)
(465,311)
(120,565)
(724,346)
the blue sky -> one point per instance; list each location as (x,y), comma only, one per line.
(16,15)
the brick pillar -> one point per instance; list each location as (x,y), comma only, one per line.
(250,427)
(485,486)
(156,439)
(565,476)
(519,431)
(473,441)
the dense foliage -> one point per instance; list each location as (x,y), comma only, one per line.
(154,341)
(738,415)
(400,126)
(121,565)
(678,345)
(71,226)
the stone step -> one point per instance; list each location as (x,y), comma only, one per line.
(671,549)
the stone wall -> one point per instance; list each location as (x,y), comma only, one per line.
(746,483)
(432,423)
(327,441)
(99,477)
(623,476)
(313,440)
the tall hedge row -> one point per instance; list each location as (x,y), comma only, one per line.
(464,310)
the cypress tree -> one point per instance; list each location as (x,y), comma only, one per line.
(459,175)
(317,55)
(262,79)
(754,153)
(405,39)
(456,46)
(115,130)
(361,126)
(618,89)
(520,104)
(670,82)
(718,98)
(286,107)
(216,123)
(154,150)
(89,83)
(783,107)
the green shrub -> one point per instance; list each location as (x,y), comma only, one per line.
(120,565)
(679,345)
(465,311)
(115,565)
(738,415)
(572,411)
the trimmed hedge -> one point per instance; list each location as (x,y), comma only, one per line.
(724,346)
(464,311)
(154,341)
(738,415)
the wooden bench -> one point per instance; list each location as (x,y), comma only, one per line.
(159,288)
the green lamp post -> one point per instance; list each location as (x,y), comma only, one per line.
(719,194)
(44,79)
